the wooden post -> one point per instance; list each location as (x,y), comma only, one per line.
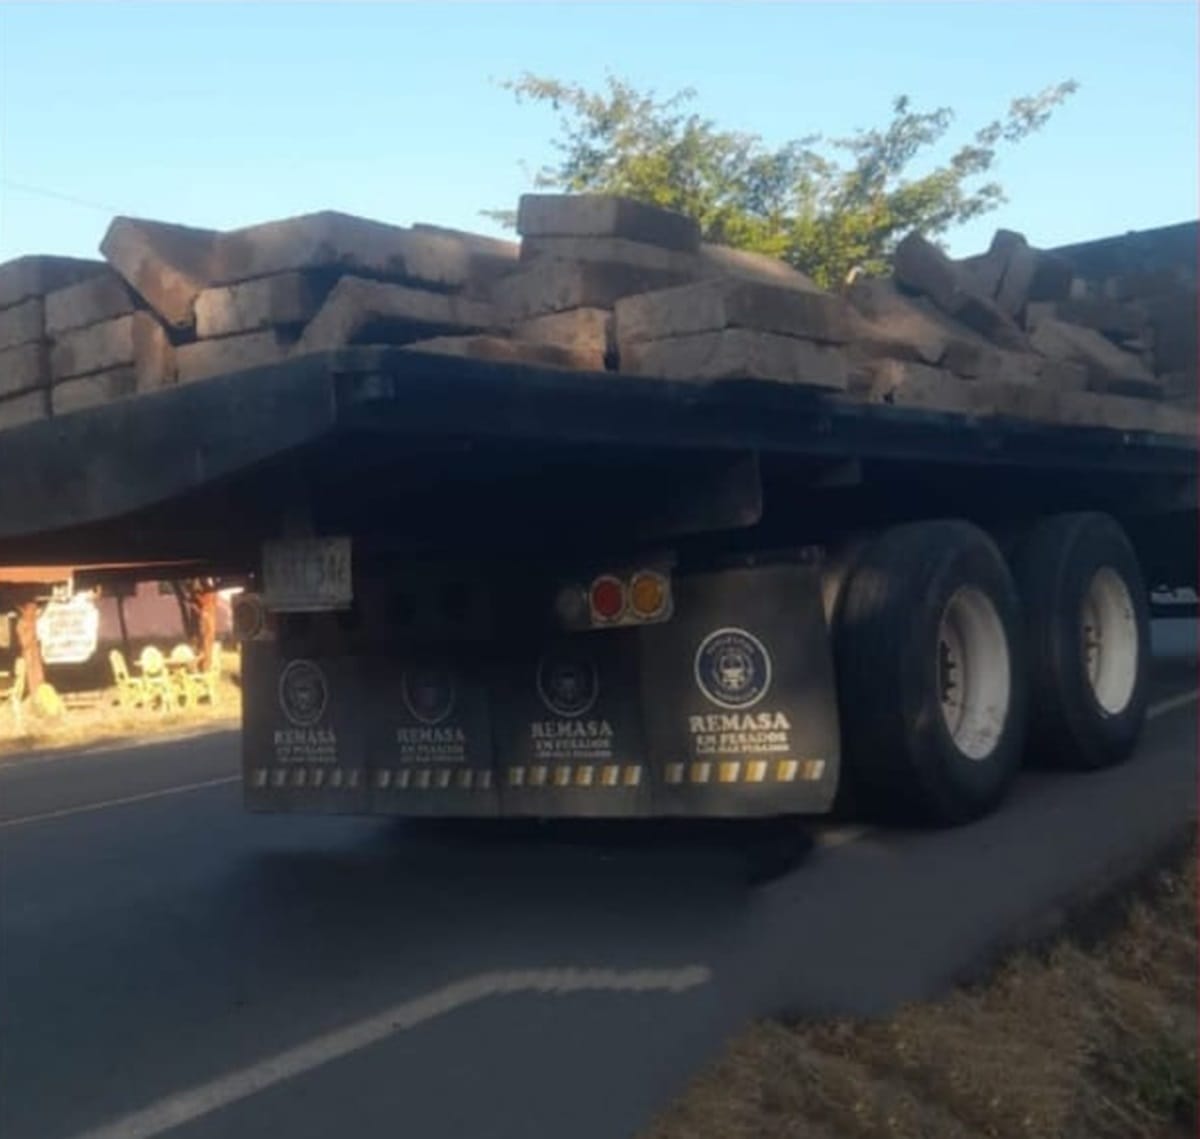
(31,649)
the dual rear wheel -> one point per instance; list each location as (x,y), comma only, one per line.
(955,663)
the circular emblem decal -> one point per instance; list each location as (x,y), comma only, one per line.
(428,694)
(733,669)
(567,683)
(303,693)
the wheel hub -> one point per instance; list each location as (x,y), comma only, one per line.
(974,672)
(1109,640)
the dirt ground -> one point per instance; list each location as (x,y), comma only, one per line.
(96,717)
(1073,1043)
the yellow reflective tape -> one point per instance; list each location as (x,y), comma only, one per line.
(785,770)
(318,777)
(610,775)
(818,768)
(729,770)
(484,782)
(422,779)
(633,775)
(537,775)
(298,777)
(259,778)
(402,779)
(756,770)
(674,773)
(700,772)
(562,776)
(383,779)
(464,779)
(516,776)
(443,779)
(583,775)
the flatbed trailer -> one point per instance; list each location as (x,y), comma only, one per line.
(490,589)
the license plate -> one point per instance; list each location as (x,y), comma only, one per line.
(307,574)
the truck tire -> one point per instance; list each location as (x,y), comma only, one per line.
(1088,622)
(929,649)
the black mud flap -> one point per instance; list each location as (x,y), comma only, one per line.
(303,732)
(739,699)
(568,728)
(429,746)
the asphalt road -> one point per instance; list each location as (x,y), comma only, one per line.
(168,963)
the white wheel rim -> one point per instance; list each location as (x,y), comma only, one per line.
(1109,633)
(974,672)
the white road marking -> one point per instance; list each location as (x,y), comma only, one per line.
(185,1106)
(87,808)
(1170,704)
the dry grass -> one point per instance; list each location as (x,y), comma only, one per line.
(105,721)
(1069,1045)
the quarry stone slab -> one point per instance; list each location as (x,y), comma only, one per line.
(208,358)
(99,298)
(547,286)
(364,311)
(581,329)
(24,408)
(738,353)
(22,323)
(94,390)
(285,299)
(35,276)
(137,340)
(23,367)
(617,250)
(167,265)
(724,303)
(602,215)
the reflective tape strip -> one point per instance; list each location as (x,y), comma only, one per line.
(700,772)
(633,775)
(383,780)
(422,779)
(786,769)
(318,777)
(583,775)
(352,780)
(814,768)
(610,775)
(278,777)
(516,777)
(403,776)
(674,773)
(756,770)
(443,779)
(464,779)
(562,776)
(537,775)
(484,782)
(335,777)
(729,770)
(259,778)
(299,777)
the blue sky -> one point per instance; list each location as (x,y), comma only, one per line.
(223,115)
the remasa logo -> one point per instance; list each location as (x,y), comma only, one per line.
(303,693)
(733,668)
(567,683)
(428,694)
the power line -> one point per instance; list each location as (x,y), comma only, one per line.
(42,192)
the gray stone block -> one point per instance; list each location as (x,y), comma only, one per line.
(726,303)
(722,261)
(285,299)
(136,340)
(26,366)
(362,311)
(94,390)
(616,250)
(207,358)
(167,265)
(36,276)
(104,296)
(581,329)
(557,286)
(602,215)
(738,353)
(24,408)
(23,323)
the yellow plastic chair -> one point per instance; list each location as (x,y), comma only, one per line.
(204,683)
(15,694)
(131,690)
(157,680)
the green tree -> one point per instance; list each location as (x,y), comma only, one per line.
(826,206)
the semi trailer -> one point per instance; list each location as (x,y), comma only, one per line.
(479,588)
